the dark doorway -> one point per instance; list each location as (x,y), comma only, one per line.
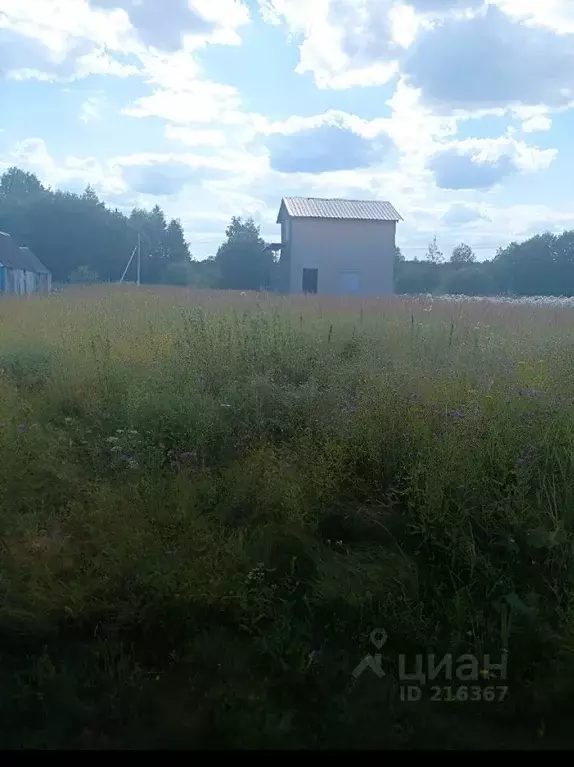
(310,280)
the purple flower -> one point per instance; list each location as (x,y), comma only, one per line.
(187,455)
(351,409)
(131,459)
(22,427)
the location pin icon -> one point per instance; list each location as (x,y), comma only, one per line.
(378,637)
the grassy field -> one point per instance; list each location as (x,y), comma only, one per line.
(210,500)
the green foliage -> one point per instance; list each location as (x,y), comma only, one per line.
(543,265)
(417,277)
(242,261)
(434,255)
(462,255)
(472,280)
(210,500)
(69,232)
(27,366)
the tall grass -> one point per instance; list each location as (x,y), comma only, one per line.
(209,501)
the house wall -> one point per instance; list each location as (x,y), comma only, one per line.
(14,281)
(20,282)
(284,281)
(334,246)
(44,283)
(30,282)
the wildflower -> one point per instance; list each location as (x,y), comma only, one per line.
(22,427)
(187,455)
(350,409)
(223,404)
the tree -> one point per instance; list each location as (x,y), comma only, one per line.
(434,255)
(415,277)
(69,231)
(242,260)
(462,254)
(176,245)
(161,245)
(470,280)
(19,185)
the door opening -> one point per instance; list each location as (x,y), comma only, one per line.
(310,280)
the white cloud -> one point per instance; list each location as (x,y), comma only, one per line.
(167,25)
(345,42)
(32,154)
(199,101)
(557,15)
(48,39)
(324,149)
(91,109)
(483,163)
(536,124)
(463,214)
(68,39)
(351,43)
(489,60)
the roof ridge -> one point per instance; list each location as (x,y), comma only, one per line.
(335,199)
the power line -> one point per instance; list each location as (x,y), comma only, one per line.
(425,247)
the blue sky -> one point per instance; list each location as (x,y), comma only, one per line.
(460,112)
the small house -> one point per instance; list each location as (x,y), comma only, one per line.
(337,247)
(21,272)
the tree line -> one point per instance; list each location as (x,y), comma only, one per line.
(542,265)
(80,239)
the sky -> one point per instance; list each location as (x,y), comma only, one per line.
(459,112)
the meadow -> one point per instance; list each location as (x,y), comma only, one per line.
(209,501)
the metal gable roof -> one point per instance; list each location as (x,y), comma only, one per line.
(10,255)
(32,263)
(14,257)
(314,207)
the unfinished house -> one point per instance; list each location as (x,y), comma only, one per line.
(337,247)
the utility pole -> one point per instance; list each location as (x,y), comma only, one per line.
(139,258)
(128,265)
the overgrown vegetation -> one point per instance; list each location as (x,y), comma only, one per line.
(540,266)
(209,502)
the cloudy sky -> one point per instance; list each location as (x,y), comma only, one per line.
(460,112)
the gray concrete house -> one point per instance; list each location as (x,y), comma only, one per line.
(336,247)
(21,272)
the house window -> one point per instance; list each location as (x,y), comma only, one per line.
(350,282)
